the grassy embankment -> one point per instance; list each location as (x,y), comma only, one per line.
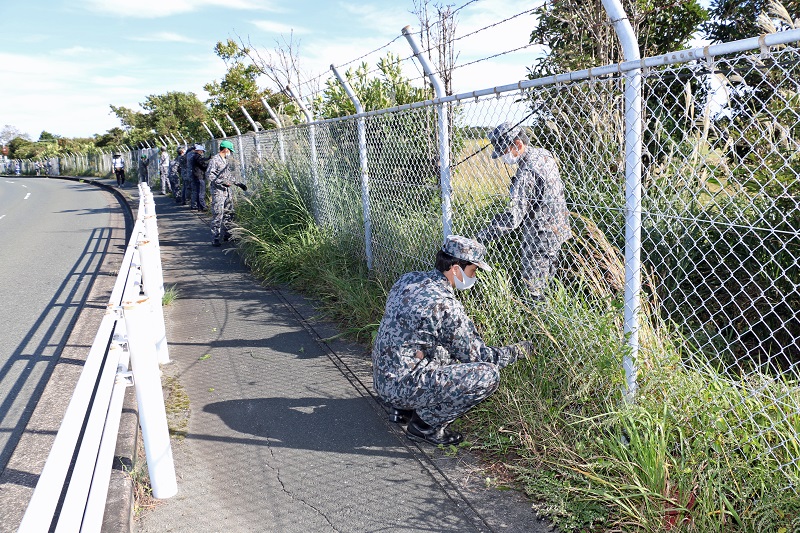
(698,452)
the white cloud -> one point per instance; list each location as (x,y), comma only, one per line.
(277,27)
(164,36)
(166,8)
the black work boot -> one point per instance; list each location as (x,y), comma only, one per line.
(419,430)
(400,416)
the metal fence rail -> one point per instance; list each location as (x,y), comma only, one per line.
(72,488)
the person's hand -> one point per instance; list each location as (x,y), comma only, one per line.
(526,347)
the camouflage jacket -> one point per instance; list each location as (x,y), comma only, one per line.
(175,167)
(537,203)
(425,326)
(218,174)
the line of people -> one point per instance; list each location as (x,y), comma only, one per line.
(186,176)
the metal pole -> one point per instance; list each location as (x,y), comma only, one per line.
(220,127)
(174,139)
(249,118)
(211,135)
(256,141)
(153,289)
(186,144)
(239,142)
(312,141)
(280,128)
(633,193)
(444,141)
(362,156)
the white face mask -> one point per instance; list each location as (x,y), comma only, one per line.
(466,283)
(510,159)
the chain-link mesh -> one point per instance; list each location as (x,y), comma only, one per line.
(720,219)
(720,306)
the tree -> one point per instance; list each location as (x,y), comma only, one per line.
(176,113)
(438,36)
(738,19)
(9,132)
(579,35)
(239,88)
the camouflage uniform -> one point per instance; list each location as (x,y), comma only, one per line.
(539,209)
(173,175)
(219,179)
(163,171)
(428,355)
(199,165)
(186,176)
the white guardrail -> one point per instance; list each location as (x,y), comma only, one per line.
(71,498)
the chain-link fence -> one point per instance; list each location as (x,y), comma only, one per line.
(720,216)
(718,316)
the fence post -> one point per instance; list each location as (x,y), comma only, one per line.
(256,141)
(313,142)
(210,135)
(239,142)
(362,155)
(633,192)
(150,398)
(444,136)
(280,129)
(219,127)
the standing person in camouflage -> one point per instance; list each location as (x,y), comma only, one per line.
(198,165)
(143,175)
(186,176)
(538,207)
(174,175)
(163,171)
(220,180)
(429,362)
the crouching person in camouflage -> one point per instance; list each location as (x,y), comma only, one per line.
(220,180)
(429,362)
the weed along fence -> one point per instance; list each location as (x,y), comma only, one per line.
(71,492)
(684,212)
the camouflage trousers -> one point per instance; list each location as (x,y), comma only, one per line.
(440,394)
(186,191)
(175,186)
(165,184)
(538,266)
(220,212)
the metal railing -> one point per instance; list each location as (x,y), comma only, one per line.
(70,495)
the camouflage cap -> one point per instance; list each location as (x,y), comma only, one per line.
(466,249)
(502,137)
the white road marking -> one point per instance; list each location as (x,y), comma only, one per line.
(25,186)
(1,217)
(26,196)
(10,181)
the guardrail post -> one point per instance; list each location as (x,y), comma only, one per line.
(150,398)
(444,136)
(154,290)
(280,129)
(362,156)
(312,140)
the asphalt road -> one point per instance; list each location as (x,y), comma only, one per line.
(53,237)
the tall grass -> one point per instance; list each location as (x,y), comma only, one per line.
(700,451)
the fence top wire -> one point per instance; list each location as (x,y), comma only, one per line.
(683,56)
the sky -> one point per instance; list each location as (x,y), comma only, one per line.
(63,62)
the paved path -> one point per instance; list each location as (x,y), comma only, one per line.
(283,434)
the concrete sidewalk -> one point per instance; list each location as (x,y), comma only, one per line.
(283,433)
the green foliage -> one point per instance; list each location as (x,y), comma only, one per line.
(388,89)
(731,20)
(578,35)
